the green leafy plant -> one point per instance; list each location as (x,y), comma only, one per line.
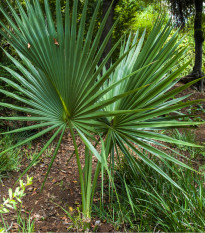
(12,203)
(15,197)
(65,87)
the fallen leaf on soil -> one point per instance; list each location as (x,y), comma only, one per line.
(56,42)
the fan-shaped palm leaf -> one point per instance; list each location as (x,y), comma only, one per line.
(58,78)
(140,130)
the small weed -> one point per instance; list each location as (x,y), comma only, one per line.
(32,152)
(13,202)
(194,109)
(25,223)
(49,151)
(78,223)
(61,184)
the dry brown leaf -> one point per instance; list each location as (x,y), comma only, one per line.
(56,42)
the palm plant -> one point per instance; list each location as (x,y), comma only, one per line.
(63,86)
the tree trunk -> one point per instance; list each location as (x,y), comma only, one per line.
(1,51)
(4,5)
(108,26)
(199,39)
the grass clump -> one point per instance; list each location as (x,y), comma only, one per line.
(11,160)
(148,202)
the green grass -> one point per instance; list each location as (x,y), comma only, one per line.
(187,136)
(25,223)
(11,160)
(148,202)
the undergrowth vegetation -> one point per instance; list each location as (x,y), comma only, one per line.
(10,161)
(188,136)
(149,203)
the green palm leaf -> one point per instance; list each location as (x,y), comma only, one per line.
(145,127)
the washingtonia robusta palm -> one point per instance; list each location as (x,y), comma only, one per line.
(64,86)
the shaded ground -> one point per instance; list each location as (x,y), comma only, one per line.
(62,186)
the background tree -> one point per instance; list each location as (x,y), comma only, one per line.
(182,9)
(142,14)
(199,38)
(131,15)
(2,4)
(105,6)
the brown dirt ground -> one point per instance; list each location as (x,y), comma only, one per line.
(62,186)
